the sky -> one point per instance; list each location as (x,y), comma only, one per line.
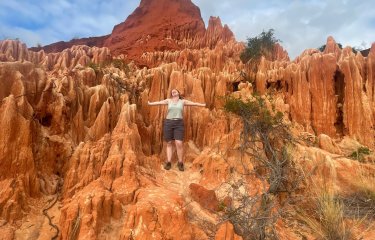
(299,24)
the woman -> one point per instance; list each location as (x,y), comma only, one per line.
(173,128)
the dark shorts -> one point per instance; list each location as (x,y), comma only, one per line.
(173,129)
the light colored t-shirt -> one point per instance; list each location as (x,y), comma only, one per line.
(175,109)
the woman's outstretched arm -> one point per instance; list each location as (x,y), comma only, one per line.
(190,103)
(162,102)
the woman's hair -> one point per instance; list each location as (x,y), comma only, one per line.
(179,94)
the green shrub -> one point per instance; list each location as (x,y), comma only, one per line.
(261,45)
(94,66)
(267,140)
(360,153)
(254,113)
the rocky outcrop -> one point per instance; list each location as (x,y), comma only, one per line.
(145,32)
(60,46)
(86,137)
(79,140)
(81,134)
(11,51)
(329,92)
(216,32)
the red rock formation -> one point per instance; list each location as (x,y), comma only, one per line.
(216,32)
(332,47)
(16,51)
(60,46)
(86,137)
(370,81)
(206,198)
(11,51)
(329,92)
(163,25)
(358,111)
(279,53)
(157,25)
(226,232)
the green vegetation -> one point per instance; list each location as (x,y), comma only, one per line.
(120,64)
(117,63)
(360,153)
(267,140)
(323,47)
(261,45)
(354,49)
(94,66)
(255,114)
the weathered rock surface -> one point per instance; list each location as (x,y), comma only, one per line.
(60,46)
(144,31)
(76,128)
(329,92)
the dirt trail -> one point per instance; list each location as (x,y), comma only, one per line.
(36,225)
(179,182)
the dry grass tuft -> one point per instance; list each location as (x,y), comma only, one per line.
(327,218)
(76,224)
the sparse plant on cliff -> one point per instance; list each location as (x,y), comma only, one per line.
(94,66)
(75,227)
(366,188)
(327,218)
(120,64)
(267,140)
(360,153)
(361,202)
(261,45)
(354,49)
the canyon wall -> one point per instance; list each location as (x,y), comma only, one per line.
(82,151)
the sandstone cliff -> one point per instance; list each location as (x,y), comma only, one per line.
(82,152)
(327,92)
(85,138)
(163,25)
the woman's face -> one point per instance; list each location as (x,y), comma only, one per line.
(175,93)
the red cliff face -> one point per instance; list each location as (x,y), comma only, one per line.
(85,137)
(330,92)
(162,25)
(216,32)
(80,142)
(157,26)
(60,46)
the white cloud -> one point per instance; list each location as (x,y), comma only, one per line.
(299,24)
(47,21)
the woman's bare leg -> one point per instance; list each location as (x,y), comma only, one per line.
(169,151)
(180,150)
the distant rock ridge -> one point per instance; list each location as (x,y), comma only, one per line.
(60,46)
(162,25)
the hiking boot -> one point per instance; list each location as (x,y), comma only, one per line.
(180,166)
(167,165)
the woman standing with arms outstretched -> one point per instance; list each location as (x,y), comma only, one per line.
(173,128)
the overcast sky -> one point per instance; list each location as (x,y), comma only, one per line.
(299,24)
